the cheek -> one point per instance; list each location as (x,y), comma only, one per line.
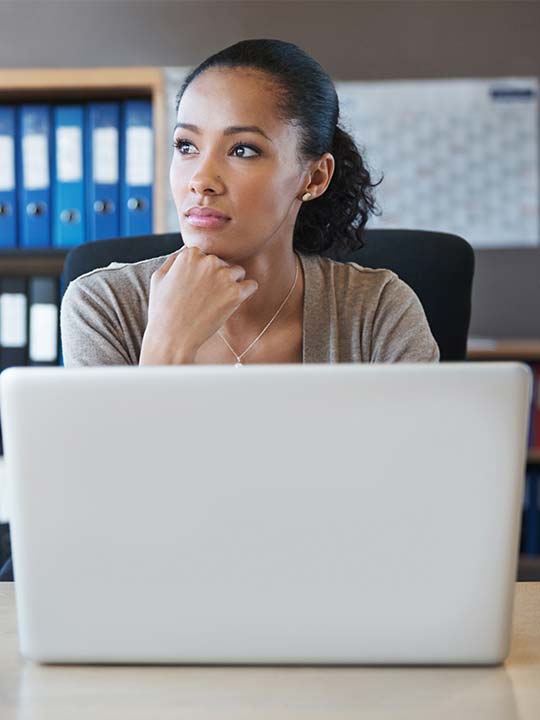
(277,194)
(175,178)
(257,202)
(268,189)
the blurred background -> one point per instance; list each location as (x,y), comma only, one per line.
(441,95)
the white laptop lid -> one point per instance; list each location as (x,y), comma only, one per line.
(273,513)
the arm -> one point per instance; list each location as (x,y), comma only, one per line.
(90,331)
(401,332)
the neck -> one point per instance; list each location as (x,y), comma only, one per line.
(275,273)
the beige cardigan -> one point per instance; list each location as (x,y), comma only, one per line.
(351,314)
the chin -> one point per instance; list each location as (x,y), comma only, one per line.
(207,243)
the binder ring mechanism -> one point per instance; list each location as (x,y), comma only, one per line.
(36,209)
(137,203)
(104,206)
(5,209)
(70,216)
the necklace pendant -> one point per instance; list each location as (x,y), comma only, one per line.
(238,364)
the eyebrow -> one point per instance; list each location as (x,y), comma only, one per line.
(231,130)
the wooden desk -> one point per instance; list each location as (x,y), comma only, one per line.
(29,691)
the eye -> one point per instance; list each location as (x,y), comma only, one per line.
(180,142)
(250,147)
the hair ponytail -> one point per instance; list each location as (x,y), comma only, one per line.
(336,219)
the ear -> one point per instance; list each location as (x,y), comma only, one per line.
(320,174)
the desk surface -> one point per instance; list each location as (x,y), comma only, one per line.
(28,690)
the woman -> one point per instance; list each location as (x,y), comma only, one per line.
(264,181)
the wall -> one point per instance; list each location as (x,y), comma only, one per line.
(352,40)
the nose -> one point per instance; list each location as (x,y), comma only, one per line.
(205,180)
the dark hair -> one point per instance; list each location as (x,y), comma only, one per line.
(307,97)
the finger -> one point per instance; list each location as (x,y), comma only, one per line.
(218,262)
(236,272)
(170,260)
(248,288)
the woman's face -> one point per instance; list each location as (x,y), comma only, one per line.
(254,179)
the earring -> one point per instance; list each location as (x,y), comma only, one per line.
(306,196)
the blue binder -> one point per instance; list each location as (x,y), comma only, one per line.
(103,167)
(531,525)
(69,207)
(8,178)
(33,164)
(137,167)
(530,439)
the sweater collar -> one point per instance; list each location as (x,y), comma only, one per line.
(315,324)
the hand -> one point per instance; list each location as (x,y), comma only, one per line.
(191,295)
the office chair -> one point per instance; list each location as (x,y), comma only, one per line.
(438,266)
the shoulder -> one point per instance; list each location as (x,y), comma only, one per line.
(117,279)
(349,280)
(374,307)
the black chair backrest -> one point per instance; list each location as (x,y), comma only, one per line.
(438,266)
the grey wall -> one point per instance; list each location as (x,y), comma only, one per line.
(352,40)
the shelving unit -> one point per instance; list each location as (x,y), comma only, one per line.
(79,84)
(521,350)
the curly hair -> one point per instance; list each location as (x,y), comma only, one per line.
(333,223)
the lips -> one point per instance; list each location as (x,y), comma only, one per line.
(206,212)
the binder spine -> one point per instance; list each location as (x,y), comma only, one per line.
(102,153)
(69,207)
(8,177)
(13,321)
(536,407)
(34,156)
(137,167)
(43,322)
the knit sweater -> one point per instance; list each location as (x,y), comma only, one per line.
(351,314)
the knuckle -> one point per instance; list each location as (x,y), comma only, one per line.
(190,251)
(214,261)
(231,274)
(239,271)
(239,291)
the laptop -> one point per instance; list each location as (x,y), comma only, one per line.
(336,514)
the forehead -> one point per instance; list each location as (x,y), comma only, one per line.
(232,96)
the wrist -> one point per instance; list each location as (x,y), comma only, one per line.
(156,352)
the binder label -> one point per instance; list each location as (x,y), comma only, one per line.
(105,155)
(13,320)
(139,160)
(43,332)
(7,163)
(69,159)
(35,162)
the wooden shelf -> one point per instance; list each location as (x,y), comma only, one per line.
(20,79)
(529,568)
(526,349)
(23,261)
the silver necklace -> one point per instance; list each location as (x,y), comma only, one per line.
(238,362)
